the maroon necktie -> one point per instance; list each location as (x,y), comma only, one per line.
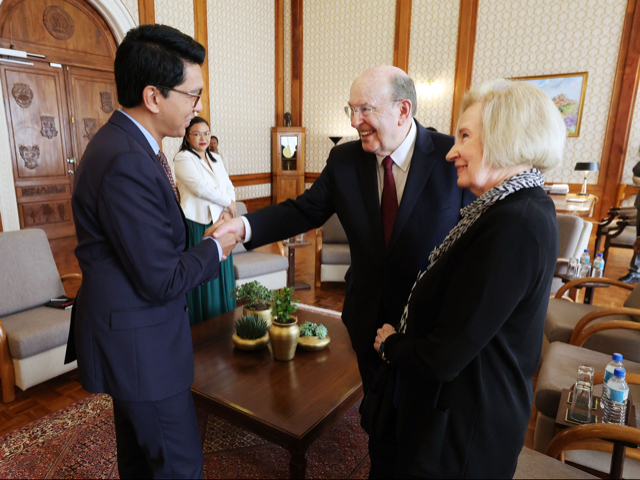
(167,170)
(389,206)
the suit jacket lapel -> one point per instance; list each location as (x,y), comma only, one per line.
(421,165)
(368,177)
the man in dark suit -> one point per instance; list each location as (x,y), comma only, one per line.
(130,325)
(634,267)
(396,197)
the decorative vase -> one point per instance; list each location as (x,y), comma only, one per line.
(313,344)
(263,314)
(284,339)
(244,344)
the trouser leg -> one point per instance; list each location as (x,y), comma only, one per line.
(159,439)
(383,456)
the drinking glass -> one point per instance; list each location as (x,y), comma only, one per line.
(573,270)
(580,410)
(585,270)
(302,238)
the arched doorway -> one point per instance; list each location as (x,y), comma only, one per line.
(49,111)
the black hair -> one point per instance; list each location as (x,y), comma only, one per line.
(153,55)
(213,136)
(185,140)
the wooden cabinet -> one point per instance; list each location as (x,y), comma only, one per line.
(287,162)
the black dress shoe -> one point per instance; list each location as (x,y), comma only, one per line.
(630,278)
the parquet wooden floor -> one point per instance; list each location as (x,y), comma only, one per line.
(57,393)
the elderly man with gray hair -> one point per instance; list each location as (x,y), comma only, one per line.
(396,197)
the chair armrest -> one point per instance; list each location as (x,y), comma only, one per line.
(318,279)
(71,276)
(604,431)
(631,378)
(562,261)
(605,312)
(7,373)
(579,281)
(613,324)
(281,248)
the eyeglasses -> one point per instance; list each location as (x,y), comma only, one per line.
(203,135)
(364,111)
(196,95)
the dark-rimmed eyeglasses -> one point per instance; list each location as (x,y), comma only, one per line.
(196,95)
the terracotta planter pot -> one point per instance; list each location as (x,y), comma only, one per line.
(313,344)
(284,339)
(244,344)
(263,314)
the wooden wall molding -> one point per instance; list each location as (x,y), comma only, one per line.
(254,204)
(296,63)
(146,12)
(621,112)
(310,177)
(250,179)
(200,26)
(402,35)
(464,56)
(279,61)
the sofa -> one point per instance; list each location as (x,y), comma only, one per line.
(33,337)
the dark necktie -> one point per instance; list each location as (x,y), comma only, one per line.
(167,170)
(389,204)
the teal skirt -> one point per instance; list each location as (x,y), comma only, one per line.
(214,297)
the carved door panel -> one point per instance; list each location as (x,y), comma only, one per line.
(36,106)
(93,100)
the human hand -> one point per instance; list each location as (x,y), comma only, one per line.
(383,333)
(233,209)
(636,245)
(227,242)
(224,216)
(235,226)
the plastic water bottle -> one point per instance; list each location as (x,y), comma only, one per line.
(598,266)
(614,405)
(616,362)
(585,265)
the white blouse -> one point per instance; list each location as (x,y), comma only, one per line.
(201,183)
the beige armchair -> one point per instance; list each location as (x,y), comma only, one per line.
(333,257)
(574,238)
(33,337)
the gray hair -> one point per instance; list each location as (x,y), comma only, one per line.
(402,87)
(520,125)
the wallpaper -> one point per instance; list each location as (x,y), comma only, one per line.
(536,37)
(241,81)
(253,191)
(632,156)
(341,39)
(287,56)
(432,59)
(132,7)
(178,14)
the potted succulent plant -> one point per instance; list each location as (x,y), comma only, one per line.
(284,331)
(258,299)
(313,337)
(252,333)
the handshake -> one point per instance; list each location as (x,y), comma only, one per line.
(227,231)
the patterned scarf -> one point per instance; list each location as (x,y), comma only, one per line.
(470,214)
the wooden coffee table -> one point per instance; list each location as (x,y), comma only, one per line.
(288,403)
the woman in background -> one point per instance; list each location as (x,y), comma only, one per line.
(213,148)
(205,193)
(469,341)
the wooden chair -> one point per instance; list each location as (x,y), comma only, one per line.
(618,230)
(597,438)
(605,330)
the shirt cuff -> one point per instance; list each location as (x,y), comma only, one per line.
(247,230)
(217,245)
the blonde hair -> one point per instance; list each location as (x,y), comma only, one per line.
(520,125)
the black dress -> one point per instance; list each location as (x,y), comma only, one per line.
(473,341)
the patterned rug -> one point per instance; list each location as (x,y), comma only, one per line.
(79,442)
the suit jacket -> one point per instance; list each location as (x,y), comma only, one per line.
(199,186)
(130,325)
(472,345)
(380,277)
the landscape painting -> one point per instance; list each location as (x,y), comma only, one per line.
(567,92)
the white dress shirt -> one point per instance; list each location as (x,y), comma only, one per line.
(202,182)
(401,157)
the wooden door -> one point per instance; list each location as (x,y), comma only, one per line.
(36,105)
(93,98)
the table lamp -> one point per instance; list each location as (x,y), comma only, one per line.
(585,167)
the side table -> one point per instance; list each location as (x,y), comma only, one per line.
(291,280)
(618,456)
(588,287)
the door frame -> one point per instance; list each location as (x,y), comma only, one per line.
(120,21)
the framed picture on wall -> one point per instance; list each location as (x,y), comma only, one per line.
(567,92)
